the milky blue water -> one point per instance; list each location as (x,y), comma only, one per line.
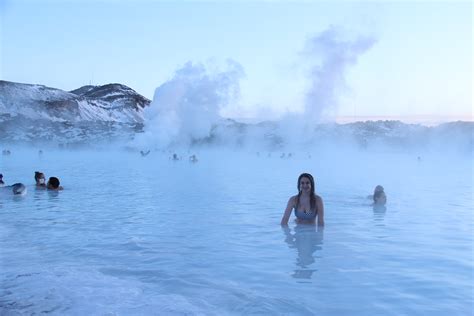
(133,235)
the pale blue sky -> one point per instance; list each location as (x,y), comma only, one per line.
(421,63)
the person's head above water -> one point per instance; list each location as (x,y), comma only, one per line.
(18,189)
(39,175)
(53,183)
(1,180)
(378,188)
(40,178)
(305,185)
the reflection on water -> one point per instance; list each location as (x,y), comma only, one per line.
(38,194)
(306,239)
(379,214)
(53,195)
(17,198)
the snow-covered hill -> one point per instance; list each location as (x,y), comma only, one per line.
(36,113)
(107,103)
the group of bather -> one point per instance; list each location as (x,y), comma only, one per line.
(19,188)
(192,158)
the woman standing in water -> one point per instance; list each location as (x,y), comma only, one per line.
(307,205)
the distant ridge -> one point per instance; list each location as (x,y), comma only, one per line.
(32,112)
(89,115)
(428,120)
(106,103)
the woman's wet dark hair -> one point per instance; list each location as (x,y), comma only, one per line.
(312,197)
(54,182)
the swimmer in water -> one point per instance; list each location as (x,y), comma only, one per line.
(379,196)
(144,153)
(1,180)
(306,204)
(40,180)
(53,184)
(16,189)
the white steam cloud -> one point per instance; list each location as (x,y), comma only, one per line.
(185,108)
(330,54)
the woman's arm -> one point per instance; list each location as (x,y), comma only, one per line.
(287,213)
(320,205)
